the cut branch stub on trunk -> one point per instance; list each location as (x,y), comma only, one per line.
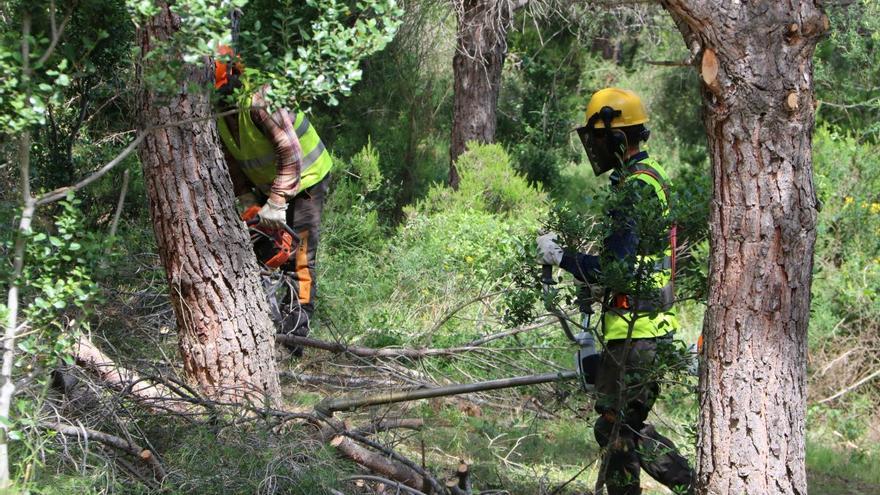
(709,71)
(759,114)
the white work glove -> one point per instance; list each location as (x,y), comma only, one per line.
(245,201)
(549,253)
(693,364)
(273,216)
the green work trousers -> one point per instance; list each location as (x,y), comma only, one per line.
(627,387)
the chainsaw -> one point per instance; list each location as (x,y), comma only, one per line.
(273,247)
(587,357)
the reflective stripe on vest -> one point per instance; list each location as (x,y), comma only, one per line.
(316,162)
(653,318)
(256,155)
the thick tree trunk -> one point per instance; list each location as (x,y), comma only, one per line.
(226,336)
(756,65)
(479,59)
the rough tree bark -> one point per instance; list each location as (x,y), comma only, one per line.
(481,47)
(756,65)
(225,334)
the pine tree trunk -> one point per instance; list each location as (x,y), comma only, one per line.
(756,65)
(479,59)
(225,334)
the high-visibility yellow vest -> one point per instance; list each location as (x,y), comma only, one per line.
(653,318)
(256,155)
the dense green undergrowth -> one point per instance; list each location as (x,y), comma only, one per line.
(407,262)
(434,281)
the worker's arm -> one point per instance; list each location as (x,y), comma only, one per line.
(278,129)
(584,267)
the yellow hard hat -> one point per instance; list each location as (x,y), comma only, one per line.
(632,111)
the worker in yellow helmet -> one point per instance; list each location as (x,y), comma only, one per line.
(280,172)
(634,323)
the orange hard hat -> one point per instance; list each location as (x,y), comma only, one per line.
(221,69)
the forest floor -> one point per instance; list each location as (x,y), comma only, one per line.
(526,449)
(825,483)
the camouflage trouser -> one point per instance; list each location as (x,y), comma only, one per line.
(638,445)
(304,216)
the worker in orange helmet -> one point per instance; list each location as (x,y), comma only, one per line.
(280,172)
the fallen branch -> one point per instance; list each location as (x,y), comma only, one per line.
(340,381)
(119,204)
(394,484)
(852,387)
(87,355)
(328,406)
(144,455)
(510,333)
(370,352)
(377,462)
(461,306)
(156,391)
(391,424)
(429,482)
(838,358)
(671,63)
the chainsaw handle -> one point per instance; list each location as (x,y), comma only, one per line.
(253,222)
(547,281)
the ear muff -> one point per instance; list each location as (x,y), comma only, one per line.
(615,139)
(617,143)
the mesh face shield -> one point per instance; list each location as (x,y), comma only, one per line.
(602,144)
(596,146)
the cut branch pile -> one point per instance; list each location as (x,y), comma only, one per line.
(165,396)
(87,434)
(408,353)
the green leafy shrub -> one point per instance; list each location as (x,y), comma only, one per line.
(845,309)
(488,184)
(350,220)
(57,292)
(846,286)
(452,246)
